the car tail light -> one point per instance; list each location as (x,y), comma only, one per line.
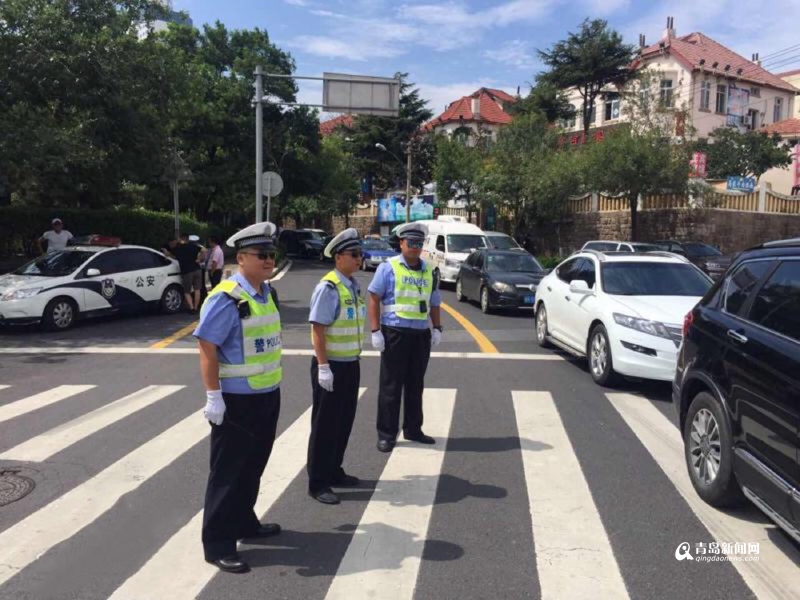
(687,322)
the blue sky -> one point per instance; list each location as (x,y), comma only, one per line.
(452,48)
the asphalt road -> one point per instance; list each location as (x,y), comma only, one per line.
(541,484)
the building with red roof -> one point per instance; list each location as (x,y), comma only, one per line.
(483,113)
(326,128)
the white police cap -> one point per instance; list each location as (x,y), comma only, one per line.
(411,231)
(258,234)
(346,240)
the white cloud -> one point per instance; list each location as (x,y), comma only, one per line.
(603,8)
(357,48)
(515,53)
(296,2)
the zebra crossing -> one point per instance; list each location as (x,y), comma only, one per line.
(574,551)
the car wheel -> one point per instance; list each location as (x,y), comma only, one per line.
(486,307)
(541,326)
(708,448)
(601,364)
(459,291)
(59,314)
(171,300)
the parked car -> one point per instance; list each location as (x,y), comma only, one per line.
(737,386)
(374,252)
(614,246)
(622,311)
(305,243)
(499,279)
(84,281)
(501,241)
(707,257)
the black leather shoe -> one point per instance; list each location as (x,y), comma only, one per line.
(385,445)
(231,564)
(325,496)
(419,437)
(264,530)
(346,481)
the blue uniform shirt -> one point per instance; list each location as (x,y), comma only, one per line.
(325,306)
(383,286)
(220,324)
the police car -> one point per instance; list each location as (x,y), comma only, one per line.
(60,287)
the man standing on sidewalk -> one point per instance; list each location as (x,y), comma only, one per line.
(239,335)
(187,254)
(337,321)
(214,262)
(403,297)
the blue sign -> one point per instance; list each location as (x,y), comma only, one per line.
(393,209)
(743,184)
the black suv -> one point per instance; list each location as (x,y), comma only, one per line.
(712,262)
(737,385)
(306,243)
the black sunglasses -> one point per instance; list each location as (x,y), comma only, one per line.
(264,254)
(353,253)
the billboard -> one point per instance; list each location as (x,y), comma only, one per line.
(738,103)
(393,208)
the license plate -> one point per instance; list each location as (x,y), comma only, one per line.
(529,299)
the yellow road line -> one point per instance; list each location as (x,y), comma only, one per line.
(483,342)
(184,331)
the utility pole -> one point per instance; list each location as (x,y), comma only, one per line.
(259,140)
(408,182)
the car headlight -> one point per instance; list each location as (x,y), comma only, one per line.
(452,263)
(649,327)
(20,294)
(503,288)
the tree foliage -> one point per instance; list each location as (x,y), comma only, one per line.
(750,153)
(457,170)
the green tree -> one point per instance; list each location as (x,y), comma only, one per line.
(590,60)
(339,193)
(457,170)
(547,100)
(749,153)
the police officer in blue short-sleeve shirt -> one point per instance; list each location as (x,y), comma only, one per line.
(239,335)
(337,317)
(404,304)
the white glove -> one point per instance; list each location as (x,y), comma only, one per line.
(377,341)
(325,377)
(215,407)
(436,337)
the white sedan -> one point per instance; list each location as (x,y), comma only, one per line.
(623,311)
(82,281)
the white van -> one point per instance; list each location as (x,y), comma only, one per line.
(450,240)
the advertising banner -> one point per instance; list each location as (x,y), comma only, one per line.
(738,102)
(393,208)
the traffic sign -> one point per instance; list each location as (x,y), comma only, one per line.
(272,182)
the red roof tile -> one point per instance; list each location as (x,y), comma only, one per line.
(786,128)
(693,48)
(328,127)
(491,110)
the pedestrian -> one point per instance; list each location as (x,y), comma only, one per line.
(239,335)
(57,237)
(404,299)
(187,254)
(337,318)
(215,261)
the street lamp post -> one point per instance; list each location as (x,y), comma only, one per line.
(383,148)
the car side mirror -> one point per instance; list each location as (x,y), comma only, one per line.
(579,286)
(92,272)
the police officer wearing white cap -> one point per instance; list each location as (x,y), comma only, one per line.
(403,305)
(337,318)
(240,362)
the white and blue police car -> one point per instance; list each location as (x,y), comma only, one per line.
(60,287)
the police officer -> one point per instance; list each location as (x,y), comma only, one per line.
(240,362)
(404,297)
(337,319)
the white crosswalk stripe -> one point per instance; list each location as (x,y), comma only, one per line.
(3,386)
(44,446)
(37,401)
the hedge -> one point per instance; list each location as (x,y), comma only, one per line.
(19,226)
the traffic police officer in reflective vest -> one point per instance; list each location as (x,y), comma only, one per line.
(337,318)
(240,362)
(403,304)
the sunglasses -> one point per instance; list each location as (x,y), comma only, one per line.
(415,245)
(353,253)
(264,254)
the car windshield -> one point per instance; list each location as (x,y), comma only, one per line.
(646,247)
(375,245)
(601,246)
(55,264)
(464,242)
(502,242)
(653,279)
(698,249)
(308,235)
(512,263)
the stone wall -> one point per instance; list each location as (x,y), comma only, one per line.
(731,230)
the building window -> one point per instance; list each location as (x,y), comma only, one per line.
(705,95)
(752,119)
(777,110)
(611,107)
(570,122)
(755,92)
(722,99)
(666,97)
